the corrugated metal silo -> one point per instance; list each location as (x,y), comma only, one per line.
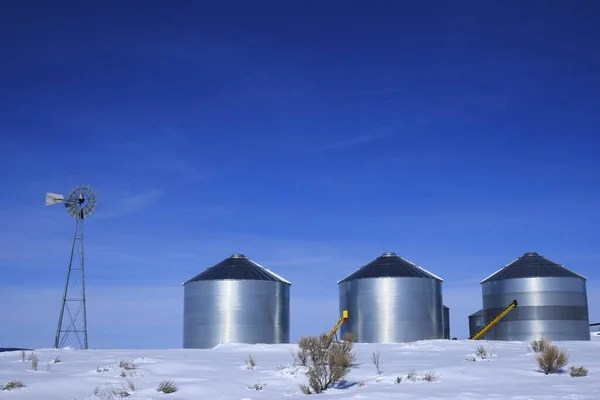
(552,301)
(236,300)
(392,300)
(446,322)
(476,322)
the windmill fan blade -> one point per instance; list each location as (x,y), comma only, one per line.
(53,198)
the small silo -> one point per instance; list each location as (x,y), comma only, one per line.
(476,323)
(552,301)
(392,300)
(446,322)
(236,300)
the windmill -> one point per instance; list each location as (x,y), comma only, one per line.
(80,204)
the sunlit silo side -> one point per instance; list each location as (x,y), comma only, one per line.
(446,322)
(236,300)
(552,301)
(392,300)
(476,323)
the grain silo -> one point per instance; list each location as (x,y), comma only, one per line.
(446,322)
(236,300)
(476,322)
(392,300)
(552,301)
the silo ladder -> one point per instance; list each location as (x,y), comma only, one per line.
(343,319)
(493,322)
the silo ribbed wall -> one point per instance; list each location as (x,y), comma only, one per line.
(555,308)
(243,311)
(391,310)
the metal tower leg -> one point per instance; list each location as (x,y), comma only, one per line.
(71,296)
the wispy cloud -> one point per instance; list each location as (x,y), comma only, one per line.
(156,156)
(357,140)
(120,205)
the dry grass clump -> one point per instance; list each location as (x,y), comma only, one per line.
(540,345)
(251,362)
(412,376)
(430,376)
(576,372)
(551,359)
(328,362)
(107,391)
(12,385)
(127,365)
(257,386)
(167,387)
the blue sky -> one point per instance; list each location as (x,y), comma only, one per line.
(312,139)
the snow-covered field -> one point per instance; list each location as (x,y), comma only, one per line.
(220,373)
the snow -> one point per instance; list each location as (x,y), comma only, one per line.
(510,373)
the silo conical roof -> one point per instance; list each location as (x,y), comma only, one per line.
(392,266)
(532,265)
(237,267)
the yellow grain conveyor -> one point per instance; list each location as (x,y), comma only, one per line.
(493,322)
(343,319)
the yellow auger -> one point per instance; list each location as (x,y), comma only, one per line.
(343,319)
(493,322)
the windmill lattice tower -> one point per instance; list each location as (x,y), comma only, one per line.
(80,204)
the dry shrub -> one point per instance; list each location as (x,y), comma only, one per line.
(540,345)
(12,385)
(301,356)
(578,371)
(412,375)
(482,352)
(34,362)
(167,387)
(552,359)
(328,362)
(127,365)
(375,358)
